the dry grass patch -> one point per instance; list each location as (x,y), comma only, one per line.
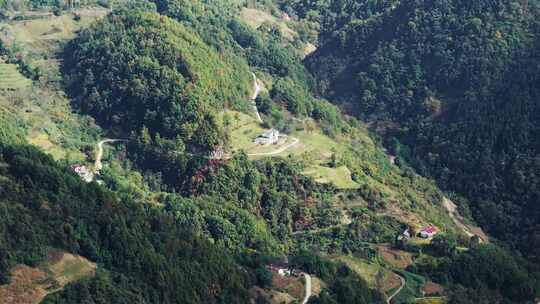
(66,267)
(255,18)
(317,285)
(340,176)
(277,297)
(309,49)
(30,285)
(432,289)
(395,257)
(288,284)
(432,300)
(376,276)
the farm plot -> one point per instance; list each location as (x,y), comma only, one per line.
(11,79)
(31,285)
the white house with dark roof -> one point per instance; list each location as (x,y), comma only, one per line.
(269,137)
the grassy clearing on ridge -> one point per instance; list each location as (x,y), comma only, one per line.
(11,78)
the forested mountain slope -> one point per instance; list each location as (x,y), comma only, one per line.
(457,82)
(182,210)
(145,70)
(45,206)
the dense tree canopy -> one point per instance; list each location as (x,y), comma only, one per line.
(45,206)
(136,70)
(453,87)
(457,82)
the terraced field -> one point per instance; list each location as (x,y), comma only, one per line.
(11,79)
(375,275)
(30,285)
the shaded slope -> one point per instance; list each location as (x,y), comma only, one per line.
(45,206)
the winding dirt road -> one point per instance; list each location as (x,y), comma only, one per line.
(97,164)
(294,142)
(389,300)
(308,288)
(256,90)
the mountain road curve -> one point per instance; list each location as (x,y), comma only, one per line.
(97,164)
(389,300)
(256,91)
(308,288)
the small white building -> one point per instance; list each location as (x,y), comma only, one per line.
(284,272)
(268,138)
(406,235)
(83,172)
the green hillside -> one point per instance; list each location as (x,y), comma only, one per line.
(145,70)
(465,99)
(162,101)
(11,79)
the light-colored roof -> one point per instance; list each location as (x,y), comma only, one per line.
(270,133)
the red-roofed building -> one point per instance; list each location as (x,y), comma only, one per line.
(428,232)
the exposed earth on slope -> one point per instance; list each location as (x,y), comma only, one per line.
(30,285)
(469,230)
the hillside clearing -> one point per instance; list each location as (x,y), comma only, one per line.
(255,18)
(40,36)
(395,257)
(375,275)
(315,147)
(30,285)
(50,122)
(340,176)
(468,230)
(11,78)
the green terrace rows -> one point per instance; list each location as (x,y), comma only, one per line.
(11,79)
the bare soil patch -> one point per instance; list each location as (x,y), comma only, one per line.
(288,284)
(469,230)
(395,257)
(309,49)
(30,285)
(432,289)
(255,18)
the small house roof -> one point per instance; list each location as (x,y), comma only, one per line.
(270,133)
(429,229)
